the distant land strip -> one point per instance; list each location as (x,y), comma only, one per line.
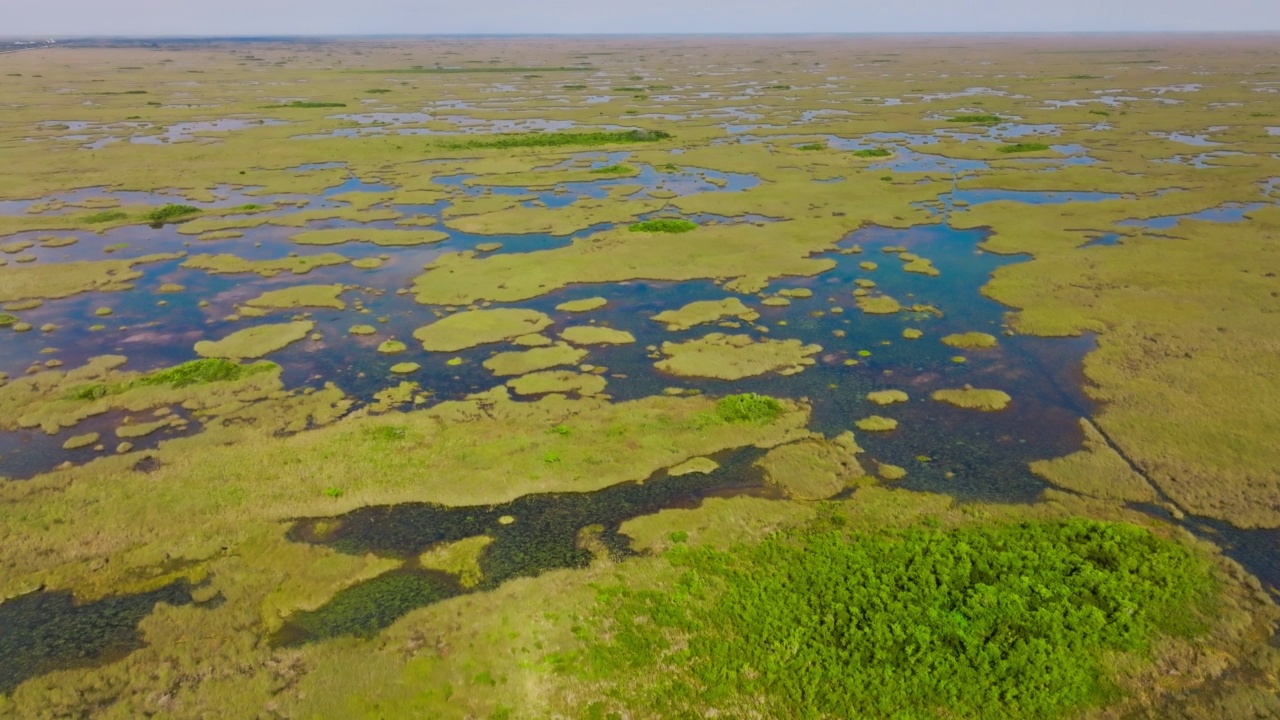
(459,70)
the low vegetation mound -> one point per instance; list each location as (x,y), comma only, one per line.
(194,372)
(978,622)
(168,212)
(748,408)
(664,225)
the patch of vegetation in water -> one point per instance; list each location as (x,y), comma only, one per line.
(664,225)
(975,119)
(872,152)
(420,70)
(6,319)
(308,104)
(105,217)
(170,212)
(748,408)
(977,622)
(812,146)
(194,372)
(559,139)
(613,170)
(1023,147)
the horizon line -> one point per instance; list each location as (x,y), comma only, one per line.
(801,33)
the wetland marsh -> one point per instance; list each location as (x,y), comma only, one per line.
(511,371)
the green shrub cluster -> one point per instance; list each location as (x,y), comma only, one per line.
(613,170)
(194,372)
(558,139)
(979,622)
(812,146)
(308,104)
(6,319)
(976,119)
(419,70)
(748,407)
(664,225)
(106,216)
(1024,147)
(170,212)
(873,152)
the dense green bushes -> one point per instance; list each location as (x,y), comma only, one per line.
(664,225)
(194,372)
(748,407)
(979,622)
(170,212)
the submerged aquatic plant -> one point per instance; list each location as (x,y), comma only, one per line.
(664,225)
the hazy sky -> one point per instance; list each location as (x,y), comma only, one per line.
(260,17)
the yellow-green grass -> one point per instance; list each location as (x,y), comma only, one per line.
(256,341)
(973,398)
(479,327)
(527,361)
(733,357)
(301,296)
(701,312)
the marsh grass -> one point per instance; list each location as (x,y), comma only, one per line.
(1007,620)
(1024,147)
(105,217)
(194,372)
(613,170)
(169,212)
(539,139)
(872,153)
(983,119)
(306,104)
